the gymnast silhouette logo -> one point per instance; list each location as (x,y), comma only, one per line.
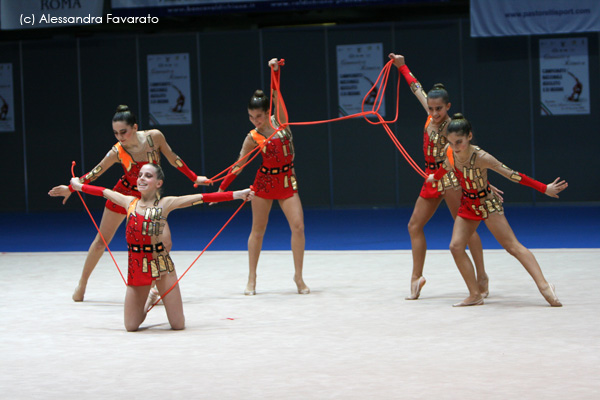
(576,89)
(3,109)
(180,100)
(372,96)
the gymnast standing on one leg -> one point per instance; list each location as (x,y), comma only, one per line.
(275,180)
(479,203)
(146,233)
(437,103)
(133,150)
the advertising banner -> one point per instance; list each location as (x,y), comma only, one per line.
(169,93)
(7,104)
(533,17)
(358,66)
(199,7)
(564,76)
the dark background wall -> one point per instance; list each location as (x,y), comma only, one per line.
(67,87)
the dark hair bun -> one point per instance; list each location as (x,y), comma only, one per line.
(438,91)
(258,101)
(124,114)
(459,125)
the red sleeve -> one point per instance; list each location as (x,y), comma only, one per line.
(217,197)
(91,189)
(439,173)
(407,75)
(227,181)
(527,181)
(184,169)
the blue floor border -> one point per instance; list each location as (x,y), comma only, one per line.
(574,226)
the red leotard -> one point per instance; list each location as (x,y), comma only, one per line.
(275,178)
(477,203)
(433,149)
(148,260)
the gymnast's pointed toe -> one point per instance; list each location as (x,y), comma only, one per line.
(550,295)
(415,288)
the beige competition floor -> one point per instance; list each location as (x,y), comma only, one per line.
(353,337)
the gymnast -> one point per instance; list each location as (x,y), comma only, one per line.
(149,259)
(480,203)
(275,180)
(436,103)
(133,150)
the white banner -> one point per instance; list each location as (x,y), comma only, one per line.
(564,76)
(24,14)
(7,103)
(171,3)
(186,7)
(358,66)
(533,17)
(274,4)
(162,3)
(169,97)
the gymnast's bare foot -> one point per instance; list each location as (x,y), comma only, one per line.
(483,286)
(153,295)
(415,288)
(474,300)
(79,293)
(250,288)
(149,301)
(549,294)
(302,288)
